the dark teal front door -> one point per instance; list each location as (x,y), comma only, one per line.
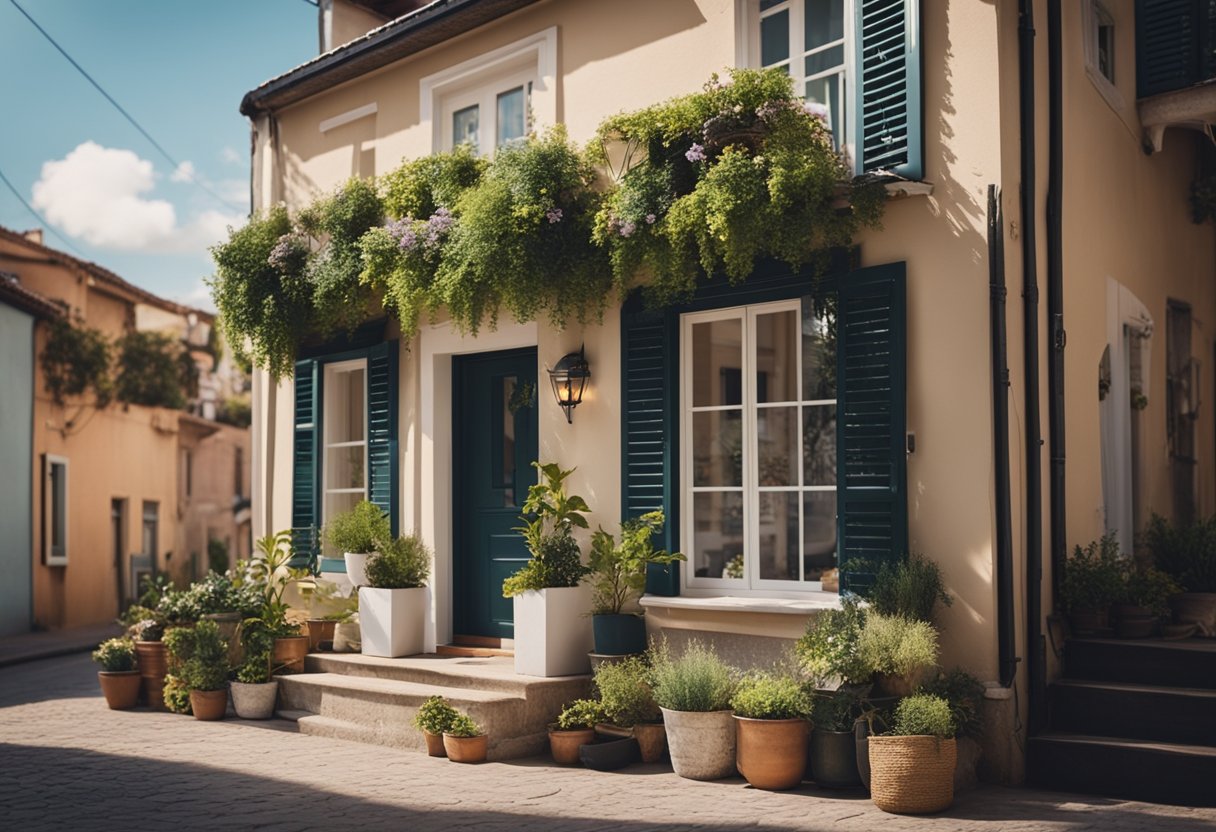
(493,449)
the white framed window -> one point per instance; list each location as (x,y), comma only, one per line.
(1100,51)
(344,437)
(758,447)
(496,98)
(55,510)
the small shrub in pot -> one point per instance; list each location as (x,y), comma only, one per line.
(1145,600)
(899,651)
(829,649)
(205,672)
(434,717)
(912,767)
(910,588)
(1187,553)
(833,746)
(771,720)
(627,699)
(1090,581)
(464,740)
(357,534)
(694,691)
(575,727)
(392,607)
(119,674)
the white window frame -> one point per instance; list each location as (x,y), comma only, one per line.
(747,54)
(532,59)
(328,371)
(485,98)
(49,557)
(1096,14)
(750,584)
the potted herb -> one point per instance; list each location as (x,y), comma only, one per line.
(255,690)
(694,692)
(206,672)
(392,606)
(271,574)
(153,660)
(552,634)
(771,721)
(829,649)
(912,767)
(911,588)
(575,727)
(464,740)
(1090,581)
(356,534)
(618,578)
(1145,600)
(1188,555)
(119,676)
(627,700)
(900,652)
(833,746)
(434,718)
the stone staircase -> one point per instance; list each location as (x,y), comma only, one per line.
(1133,720)
(373,700)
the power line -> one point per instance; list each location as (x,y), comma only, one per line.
(119,107)
(39,217)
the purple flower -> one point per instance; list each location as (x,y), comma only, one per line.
(286,254)
(817,110)
(627,228)
(696,153)
(403,232)
(439,224)
(553,215)
(650,219)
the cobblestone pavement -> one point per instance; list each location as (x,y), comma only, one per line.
(66,762)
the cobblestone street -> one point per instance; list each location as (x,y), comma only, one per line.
(69,763)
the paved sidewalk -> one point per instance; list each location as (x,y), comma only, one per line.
(68,763)
(29,647)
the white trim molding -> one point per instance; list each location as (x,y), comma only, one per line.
(349,116)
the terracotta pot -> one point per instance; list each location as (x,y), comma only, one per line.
(434,744)
(564,745)
(289,653)
(772,752)
(912,775)
(1198,608)
(120,688)
(465,749)
(152,669)
(886,684)
(319,630)
(701,743)
(209,705)
(652,740)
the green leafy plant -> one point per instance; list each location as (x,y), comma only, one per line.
(154,370)
(1187,553)
(626,694)
(236,411)
(771,696)
(556,558)
(580,715)
(835,710)
(217,555)
(359,531)
(334,266)
(696,680)
(923,715)
(76,361)
(1147,586)
(462,725)
(177,694)
(179,607)
(403,563)
(116,655)
(910,588)
(435,715)
(206,668)
(829,649)
(152,588)
(149,629)
(965,695)
(1092,578)
(897,646)
(619,570)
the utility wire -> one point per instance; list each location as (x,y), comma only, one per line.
(119,107)
(39,217)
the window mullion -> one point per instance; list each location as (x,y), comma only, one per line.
(798,44)
(751,473)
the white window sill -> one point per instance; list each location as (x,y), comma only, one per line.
(808,604)
(907,188)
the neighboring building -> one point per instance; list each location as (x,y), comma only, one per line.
(1137,282)
(110,501)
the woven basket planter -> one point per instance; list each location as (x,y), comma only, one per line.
(912,775)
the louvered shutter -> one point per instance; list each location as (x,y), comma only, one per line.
(1174,44)
(871,388)
(382,476)
(888,88)
(305,464)
(649,363)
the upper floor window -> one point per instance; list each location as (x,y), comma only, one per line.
(489,117)
(1101,53)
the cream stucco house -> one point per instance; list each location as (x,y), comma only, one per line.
(1038,232)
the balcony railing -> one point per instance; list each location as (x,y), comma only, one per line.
(1175,45)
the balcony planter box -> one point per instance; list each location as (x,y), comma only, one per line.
(552,631)
(619,635)
(393,621)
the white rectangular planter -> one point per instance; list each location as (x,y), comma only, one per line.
(553,631)
(392,620)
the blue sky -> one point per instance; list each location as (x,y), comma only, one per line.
(180,68)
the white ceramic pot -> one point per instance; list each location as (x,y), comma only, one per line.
(254,701)
(553,631)
(701,743)
(356,567)
(347,636)
(392,620)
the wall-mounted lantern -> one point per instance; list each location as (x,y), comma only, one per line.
(569,377)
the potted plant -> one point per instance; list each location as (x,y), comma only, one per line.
(179,648)
(464,740)
(220,598)
(912,767)
(1145,600)
(900,652)
(627,700)
(255,690)
(618,578)
(829,649)
(694,691)
(1090,581)
(833,746)
(965,695)
(356,534)
(434,718)
(575,727)
(271,574)
(119,676)
(153,660)
(911,588)
(1188,555)
(206,672)
(552,633)
(325,595)
(771,721)
(392,606)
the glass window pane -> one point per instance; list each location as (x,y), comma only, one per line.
(818,533)
(465,124)
(826,91)
(777,357)
(58,495)
(819,348)
(819,444)
(825,60)
(824,22)
(717,534)
(717,443)
(717,363)
(777,437)
(506,477)
(510,115)
(344,467)
(336,504)
(778,535)
(775,38)
(345,404)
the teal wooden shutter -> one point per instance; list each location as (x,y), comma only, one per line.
(649,366)
(305,464)
(382,475)
(1174,44)
(872,506)
(888,87)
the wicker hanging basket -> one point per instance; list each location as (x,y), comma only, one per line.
(912,775)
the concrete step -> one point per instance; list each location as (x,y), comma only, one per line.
(475,672)
(1129,769)
(1146,712)
(504,748)
(1189,664)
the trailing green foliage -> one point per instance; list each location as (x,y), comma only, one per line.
(897,646)
(76,361)
(177,694)
(435,715)
(359,530)
(828,649)
(462,725)
(771,696)
(552,515)
(910,588)
(335,225)
(626,695)
(696,680)
(835,710)
(403,563)
(116,655)
(619,570)
(154,370)
(965,695)
(1185,553)
(1092,579)
(580,715)
(923,715)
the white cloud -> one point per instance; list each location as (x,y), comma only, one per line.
(199,297)
(231,156)
(103,196)
(184,172)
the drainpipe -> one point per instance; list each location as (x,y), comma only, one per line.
(1030,303)
(1055,292)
